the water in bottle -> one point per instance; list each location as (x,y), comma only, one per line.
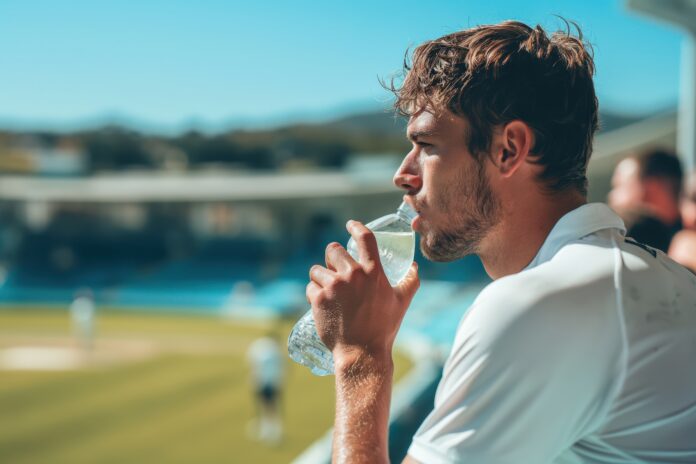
(396,244)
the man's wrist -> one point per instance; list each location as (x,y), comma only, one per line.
(358,362)
(363,394)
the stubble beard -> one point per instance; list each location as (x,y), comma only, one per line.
(474,210)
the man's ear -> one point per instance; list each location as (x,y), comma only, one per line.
(515,143)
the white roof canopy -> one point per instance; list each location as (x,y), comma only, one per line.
(157,187)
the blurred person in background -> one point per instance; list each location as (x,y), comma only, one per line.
(266,358)
(582,348)
(646,192)
(82,314)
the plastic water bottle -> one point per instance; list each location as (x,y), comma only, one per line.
(396,244)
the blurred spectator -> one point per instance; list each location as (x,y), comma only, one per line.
(683,249)
(82,315)
(646,192)
(662,179)
(688,207)
(267,360)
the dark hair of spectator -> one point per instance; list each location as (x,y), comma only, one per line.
(665,166)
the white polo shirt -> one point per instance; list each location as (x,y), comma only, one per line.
(586,356)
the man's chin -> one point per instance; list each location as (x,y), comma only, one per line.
(438,253)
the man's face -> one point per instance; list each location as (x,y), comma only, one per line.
(447,187)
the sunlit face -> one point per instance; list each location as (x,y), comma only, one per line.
(626,187)
(447,186)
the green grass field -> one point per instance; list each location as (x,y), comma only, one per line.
(158,389)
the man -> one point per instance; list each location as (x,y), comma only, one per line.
(662,180)
(647,193)
(582,348)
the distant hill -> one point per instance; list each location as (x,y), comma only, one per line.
(381,122)
(609,121)
(299,146)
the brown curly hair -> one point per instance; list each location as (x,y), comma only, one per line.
(494,74)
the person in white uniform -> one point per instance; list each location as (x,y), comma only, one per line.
(82,314)
(583,348)
(267,362)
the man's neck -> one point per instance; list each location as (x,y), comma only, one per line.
(525,225)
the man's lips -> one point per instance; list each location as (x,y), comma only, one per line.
(415,223)
(418,219)
(412,203)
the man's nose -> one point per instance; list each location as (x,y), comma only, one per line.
(407,177)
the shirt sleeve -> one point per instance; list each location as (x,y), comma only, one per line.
(524,381)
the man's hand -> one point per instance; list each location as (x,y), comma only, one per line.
(355,308)
(357,314)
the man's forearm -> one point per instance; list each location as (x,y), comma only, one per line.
(363,394)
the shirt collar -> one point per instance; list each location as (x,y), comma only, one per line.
(582,221)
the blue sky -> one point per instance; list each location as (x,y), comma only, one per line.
(170,64)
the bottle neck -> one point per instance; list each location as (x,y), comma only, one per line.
(406,213)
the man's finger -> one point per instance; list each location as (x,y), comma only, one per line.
(322,276)
(312,291)
(337,258)
(366,242)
